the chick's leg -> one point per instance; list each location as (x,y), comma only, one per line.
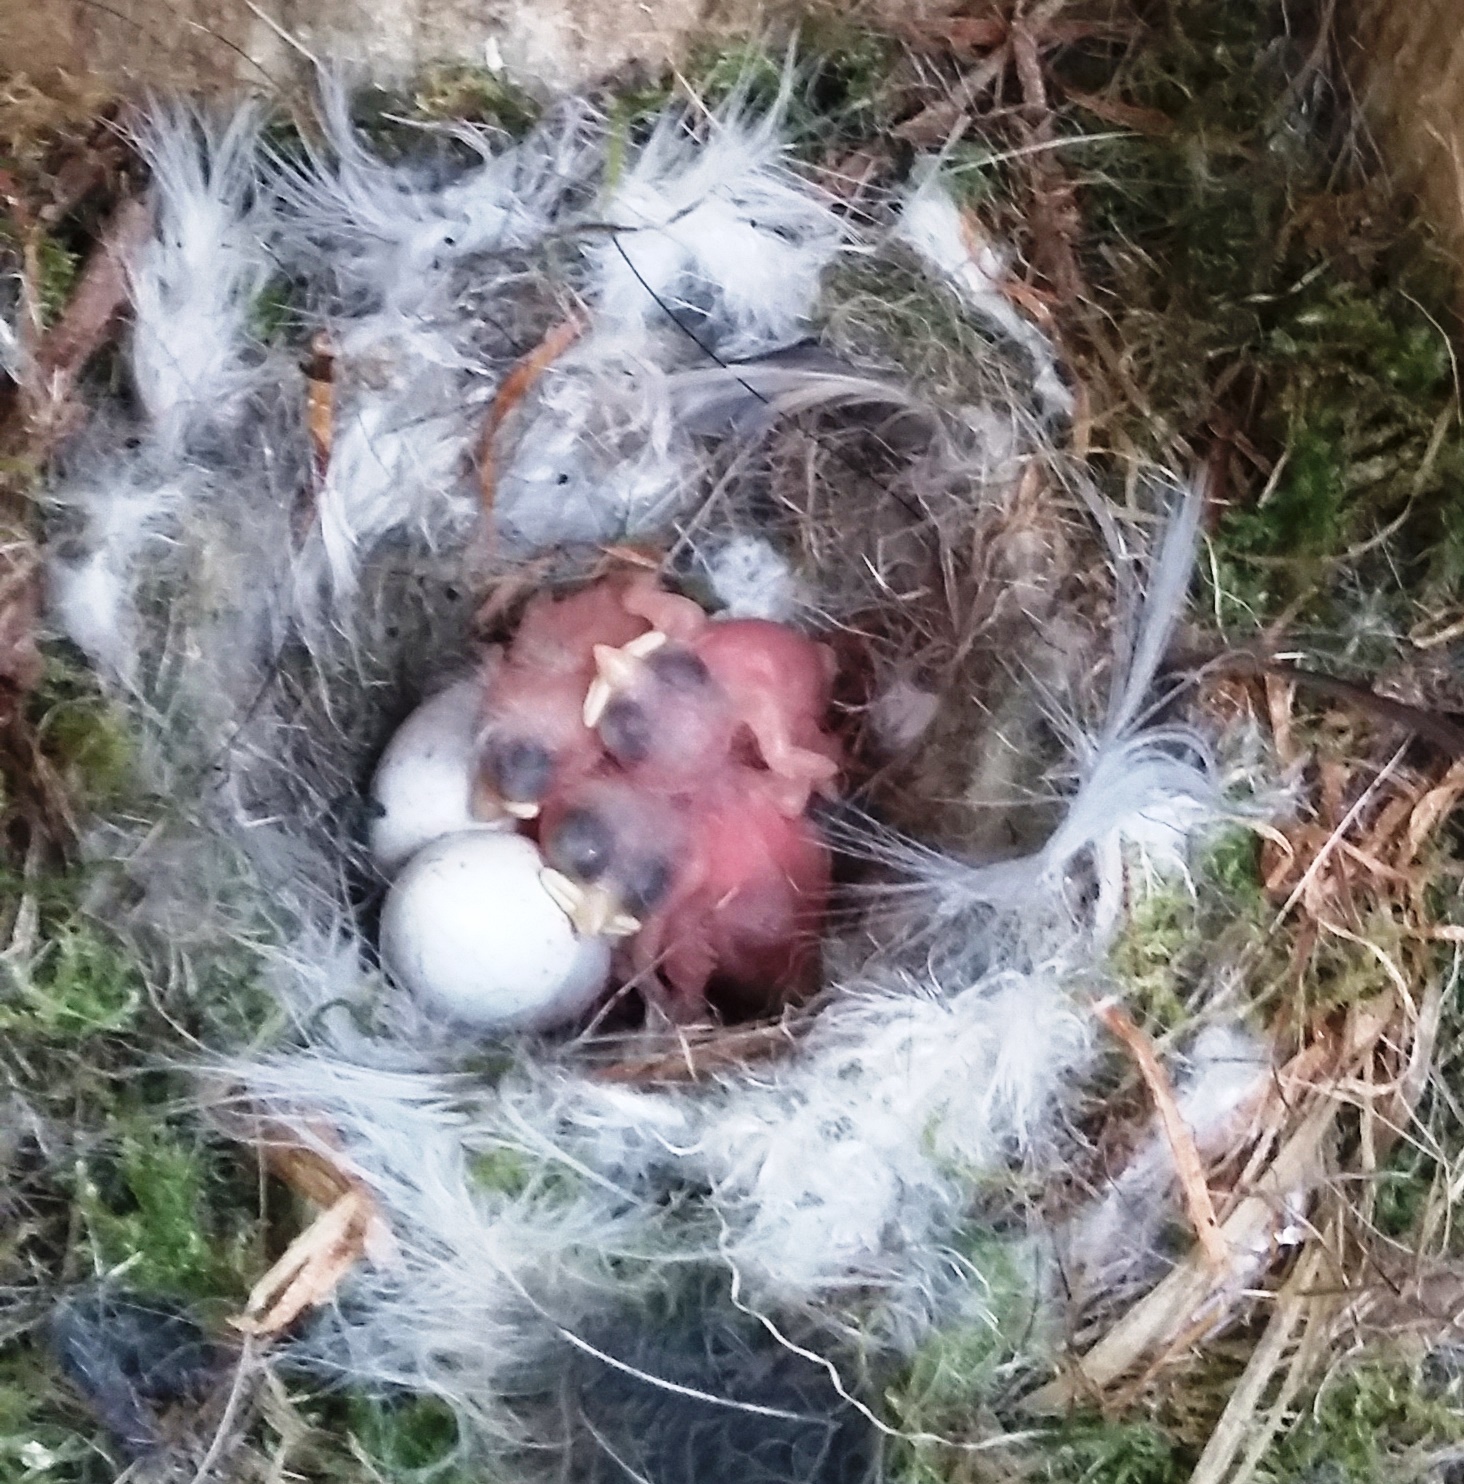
(803,770)
(678,618)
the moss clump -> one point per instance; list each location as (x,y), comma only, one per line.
(406,1439)
(461,93)
(80,985)
(161,1204)
(842,81)
(36,1446)
(83,736)
(1176,930)
(56,270)
(502,1171)
(1249,273)
(955,1385)
(1094,1450)
(274,312)
(1373,1421)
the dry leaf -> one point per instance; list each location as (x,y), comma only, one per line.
(313,1265)
(349,1229)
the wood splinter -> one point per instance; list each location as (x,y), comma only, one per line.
(350,1227)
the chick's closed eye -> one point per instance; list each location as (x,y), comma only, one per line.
(679,669)
(582,845)
(645,883)
(520,769)
(625,730)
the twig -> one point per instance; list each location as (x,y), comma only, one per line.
(1314,867)
(695,1061)
(63,352)
(1237,1422)
(1170,1307)
(1188,1165)
(231,1409)
(513,389)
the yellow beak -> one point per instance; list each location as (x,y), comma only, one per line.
(593,911)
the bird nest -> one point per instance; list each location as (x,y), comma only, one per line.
(379,392)
(278,560)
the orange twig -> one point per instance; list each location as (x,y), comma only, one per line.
(320,403)
(1187,1162)
(515,387)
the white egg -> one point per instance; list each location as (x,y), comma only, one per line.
(423,786)
(469,929)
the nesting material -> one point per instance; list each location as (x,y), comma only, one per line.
(261,618)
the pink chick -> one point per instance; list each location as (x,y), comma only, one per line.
(615,853)
(533,733)
(746,690)
(721,885)
(747,906)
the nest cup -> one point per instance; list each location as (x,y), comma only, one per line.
(924,523)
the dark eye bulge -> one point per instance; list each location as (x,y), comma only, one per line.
(625,729)
(582,846)
(519,769)
(646,882)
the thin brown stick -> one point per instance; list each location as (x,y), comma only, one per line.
(1188,1165)
(100,293)
(513,389)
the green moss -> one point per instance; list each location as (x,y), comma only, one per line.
(1368,1421)
(956,1380)
(407,1437)
(1148,954)
(459,92)
(1251,276)
(36,1445)
(57,270)
(157,1202)
(1401,1190)
(944,1394)
(503,1171)
(1341,973)
(80,985)
(841,89)
(1174,929)
(273,312)
(978,173)
(1094,1450)
(84,736)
